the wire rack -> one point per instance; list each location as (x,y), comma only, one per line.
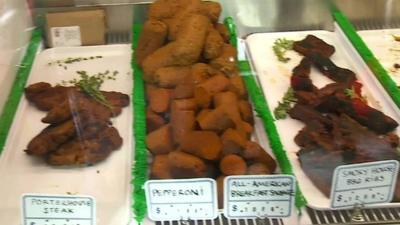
(375,24)
(355,216)
(222,220)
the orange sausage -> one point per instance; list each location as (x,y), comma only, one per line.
(151,38)
(258,169)
(204,91)
(216,120)
(170,77)
(184,165)
(226,62)
(204,144)
(237,86)
(256,153)
(153,121)
(233,142)
(183,91)
(184,104)
(214,45)
(160,140)
(246,111)
(182,122)
(233,165)
(158,98)
(223,31)
(212,10)
(160,167)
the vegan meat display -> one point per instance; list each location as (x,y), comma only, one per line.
(80,130)
(326,114)
(340,127)
(199,119)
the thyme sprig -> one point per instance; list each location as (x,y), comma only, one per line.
(288,101)
(90,84)
(349,92)
(70,60)
(280,47)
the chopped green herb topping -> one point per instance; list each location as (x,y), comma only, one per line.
(70,60)
(349,92)
(91,84)
(281,46)
(285,105)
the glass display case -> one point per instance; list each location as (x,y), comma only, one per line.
(199,112)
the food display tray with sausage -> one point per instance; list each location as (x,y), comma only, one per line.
(329,110)
(199,116)
(72,133)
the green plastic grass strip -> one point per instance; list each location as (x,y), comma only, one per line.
(262,109)
(17,90)
(231,26)
(368,57)
(139,125)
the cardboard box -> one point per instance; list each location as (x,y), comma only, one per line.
(65,28)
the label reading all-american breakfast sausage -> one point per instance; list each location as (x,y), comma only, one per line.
(259,196)
(364,183)
(186,199)
(58,210)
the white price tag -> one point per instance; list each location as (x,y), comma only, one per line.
(66,36)
(58,210)
(184,199)
(364,183)
(259,196)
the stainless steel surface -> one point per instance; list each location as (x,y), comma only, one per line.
(388,215)
(278,15)
(371,14)
(253,16)
(221,220)
(71,3)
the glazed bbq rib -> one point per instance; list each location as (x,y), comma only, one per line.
(366,145)
(312,44)
(353,144)
(300,80)
(328,68)
(340,127)
(359,111)
(319,165)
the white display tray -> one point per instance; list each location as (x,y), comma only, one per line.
(385,49)
(108,181)
(274,77)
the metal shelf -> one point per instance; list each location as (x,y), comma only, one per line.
(253,16)
(222,220)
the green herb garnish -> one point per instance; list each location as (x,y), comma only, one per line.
(285,105)
(70,60)
(91,84)
(349,92)
(281,46)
